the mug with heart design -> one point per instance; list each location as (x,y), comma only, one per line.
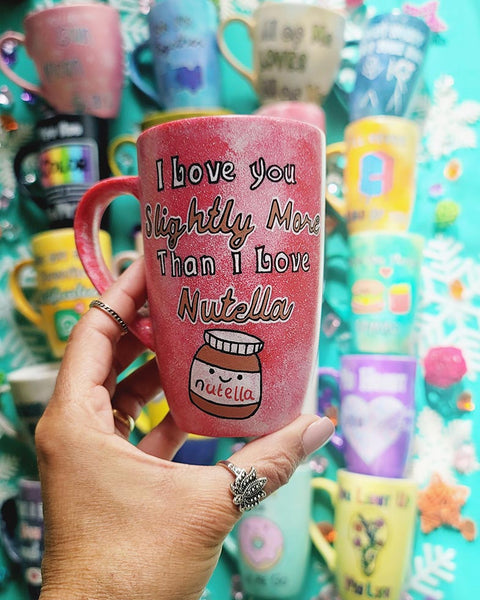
(384,273)
(377,411)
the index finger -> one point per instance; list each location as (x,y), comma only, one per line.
(90,350)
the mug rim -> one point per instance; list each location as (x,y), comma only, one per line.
(68,5)
(384,119)
(402,358)
(37,372)
(296,5)
(249,118)
(394,481)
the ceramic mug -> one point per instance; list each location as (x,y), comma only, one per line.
(376,411)
(374,523)
(64,290)
(271,543)
(233,229)
(69,156)
(384,280)
(81,67)
(23,533)
(296,50)
(379,175)
(391,56)
(185,55)
(31,389)
(123,147)
(308,112)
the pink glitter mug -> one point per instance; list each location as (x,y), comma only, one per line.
(232,212)
(78,55)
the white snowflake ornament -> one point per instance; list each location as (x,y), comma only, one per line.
(436,565)
(448,125)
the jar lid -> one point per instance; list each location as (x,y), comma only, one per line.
(232,342)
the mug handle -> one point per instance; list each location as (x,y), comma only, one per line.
(32,190)
(19,299)
(112,152)
(225,50)
(338,204)
(327,552)
(88,218)
(135,77)
(336,440)
(19,38)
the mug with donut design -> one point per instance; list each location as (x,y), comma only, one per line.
(232,211)
(272,542)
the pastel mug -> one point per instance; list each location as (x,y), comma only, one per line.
(186,61)
(233,229)
(271,543)
(379,177)
(31,389)
(64,290)
(81,67)
(68,157)
(374,523)
(384,281)
(308,112)
(22,532)
(123,147)
(391,57)
(376,411)
(296,50)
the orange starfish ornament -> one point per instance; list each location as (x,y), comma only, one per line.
(441,503)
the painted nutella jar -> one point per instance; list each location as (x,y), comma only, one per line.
(226,375)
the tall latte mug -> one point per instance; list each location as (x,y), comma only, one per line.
(232,211)
(374,520)
(64,290)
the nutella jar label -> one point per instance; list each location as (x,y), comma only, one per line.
(225,376)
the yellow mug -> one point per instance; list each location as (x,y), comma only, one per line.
(374,530)
(155,118)
(379,177)
(64,290)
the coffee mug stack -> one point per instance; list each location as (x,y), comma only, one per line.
(374,503)
(78,96)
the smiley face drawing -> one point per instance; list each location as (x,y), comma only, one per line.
(226,374)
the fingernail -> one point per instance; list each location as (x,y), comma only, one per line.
(317,435)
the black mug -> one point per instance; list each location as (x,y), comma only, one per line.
(67,156)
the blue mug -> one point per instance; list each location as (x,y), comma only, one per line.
(391,55)
(184,51)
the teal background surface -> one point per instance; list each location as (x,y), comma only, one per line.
(445,564)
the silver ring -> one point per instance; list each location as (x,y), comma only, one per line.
(247,489)
(111,313)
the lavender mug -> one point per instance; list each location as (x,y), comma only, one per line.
(377,411)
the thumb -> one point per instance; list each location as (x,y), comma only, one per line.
(277,455)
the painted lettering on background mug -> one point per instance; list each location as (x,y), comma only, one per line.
(384,273)
(271,543)
(377,412)
(122,147)
(68,156)
(64,290)
(232,213)
(379,175)
(296,50)
(186,61)
(80,68)
(392,53)
(374,522)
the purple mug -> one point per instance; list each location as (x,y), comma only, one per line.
(377,411)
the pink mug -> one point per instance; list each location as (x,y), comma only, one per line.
(78,54)
(232,212)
